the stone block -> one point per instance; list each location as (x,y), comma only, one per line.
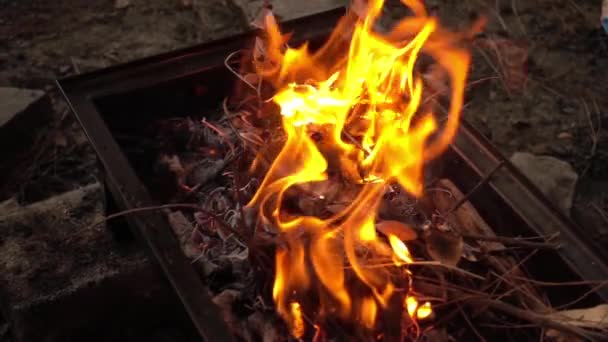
(553,177)
(63,280)
(22,113)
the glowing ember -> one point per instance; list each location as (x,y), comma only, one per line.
(364,98)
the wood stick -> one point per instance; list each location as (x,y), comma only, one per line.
(484,180)
(512,241)
(168,206)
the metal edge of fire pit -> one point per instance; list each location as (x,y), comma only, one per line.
(582,256)
(151,227)
(80,91)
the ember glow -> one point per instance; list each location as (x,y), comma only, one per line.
(363,97)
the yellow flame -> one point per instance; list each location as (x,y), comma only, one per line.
(424,311)
(415,310)
(411,305)
(368,231)
(364,97)
(297,323)
(402,254)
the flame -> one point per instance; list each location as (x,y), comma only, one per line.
(297,323)
(365,98)
(368,312)
(411,304)
(402,254)
(414,309)
(424,311)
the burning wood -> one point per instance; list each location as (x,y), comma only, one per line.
(318,164)
(354,111)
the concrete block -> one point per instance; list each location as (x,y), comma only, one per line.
(22,113)
(61,280)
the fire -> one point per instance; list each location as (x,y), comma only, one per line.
(364,98)
(368,312)
(414,309)
(402,254)
(297,323)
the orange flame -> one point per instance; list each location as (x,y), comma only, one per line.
(369,82)
(368,312)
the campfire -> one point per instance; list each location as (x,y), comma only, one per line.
(357,128)
(313,206)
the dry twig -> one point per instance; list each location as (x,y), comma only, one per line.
(543,320)
(166,206)
(512,241)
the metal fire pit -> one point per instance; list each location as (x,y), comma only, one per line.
(121,99)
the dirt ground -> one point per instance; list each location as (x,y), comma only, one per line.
(558,107)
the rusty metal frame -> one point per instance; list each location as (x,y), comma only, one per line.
(584,257)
